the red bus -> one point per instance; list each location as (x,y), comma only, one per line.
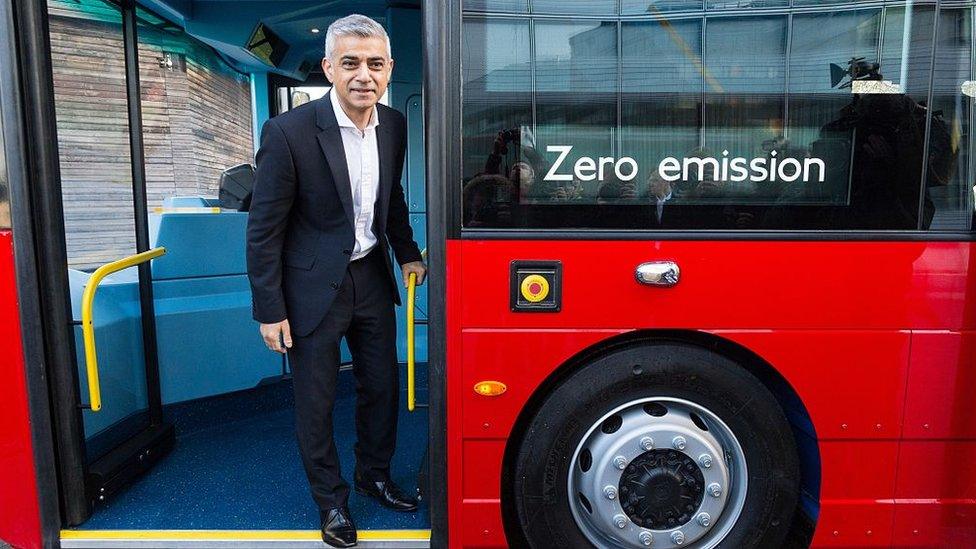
(699,273)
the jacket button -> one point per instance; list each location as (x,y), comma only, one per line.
(347,252)
(335,285)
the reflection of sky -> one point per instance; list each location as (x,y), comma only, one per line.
(496,53)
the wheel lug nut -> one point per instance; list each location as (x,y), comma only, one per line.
(679,442)
(714,490)
(610,492)
(620,521)
(705,461)
(704,520)
(647,444)
(646,538)
(677,537)
(620,462)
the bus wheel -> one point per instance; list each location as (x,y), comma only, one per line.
(661,445)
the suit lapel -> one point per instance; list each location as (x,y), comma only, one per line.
(330,140)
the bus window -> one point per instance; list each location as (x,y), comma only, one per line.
(88,63)
(291,97)
(196,112)
(950,177)
(679,117)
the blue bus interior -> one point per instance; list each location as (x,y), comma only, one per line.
(235,463)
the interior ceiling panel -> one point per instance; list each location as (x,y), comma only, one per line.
(227,24)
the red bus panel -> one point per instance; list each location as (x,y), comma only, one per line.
(17,476)
(876,339)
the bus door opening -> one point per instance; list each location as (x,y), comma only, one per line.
(174,418)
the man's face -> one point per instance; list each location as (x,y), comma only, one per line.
(359,71)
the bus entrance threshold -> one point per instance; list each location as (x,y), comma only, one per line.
(257,539)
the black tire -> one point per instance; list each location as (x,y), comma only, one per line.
(538,492)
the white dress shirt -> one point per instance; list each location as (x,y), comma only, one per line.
(363,162)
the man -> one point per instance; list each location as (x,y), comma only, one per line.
(327,205)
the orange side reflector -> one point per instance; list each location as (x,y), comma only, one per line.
(490,388)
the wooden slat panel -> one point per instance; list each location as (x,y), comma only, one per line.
(196,123)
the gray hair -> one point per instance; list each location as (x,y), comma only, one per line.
(355,25)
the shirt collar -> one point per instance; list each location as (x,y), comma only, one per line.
(344,121)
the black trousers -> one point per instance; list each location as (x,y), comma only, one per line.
(363,313)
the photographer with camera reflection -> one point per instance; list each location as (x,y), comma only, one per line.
(884,134)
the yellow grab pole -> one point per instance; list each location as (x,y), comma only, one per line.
(411,364)
(411,345)
(87,326)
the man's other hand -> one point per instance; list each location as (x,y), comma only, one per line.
(414,267)
(273,335)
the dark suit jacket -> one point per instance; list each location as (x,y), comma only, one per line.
(300,233)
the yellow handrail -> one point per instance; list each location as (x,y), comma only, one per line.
(88,329)
(411,360)
(411,349)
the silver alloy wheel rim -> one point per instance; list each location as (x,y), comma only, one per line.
(601,516)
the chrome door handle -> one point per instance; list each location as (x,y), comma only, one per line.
(658,273)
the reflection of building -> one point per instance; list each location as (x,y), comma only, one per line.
(727,77)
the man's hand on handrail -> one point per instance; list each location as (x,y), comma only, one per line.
(417,267)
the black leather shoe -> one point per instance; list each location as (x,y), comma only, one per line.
(386,492)
(338,529)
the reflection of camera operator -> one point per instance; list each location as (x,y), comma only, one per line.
(487,201)
(500,149)
(885,133)
(529,188)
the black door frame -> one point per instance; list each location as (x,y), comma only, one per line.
(442,74)
(42,278)
(43,283)
(24,114)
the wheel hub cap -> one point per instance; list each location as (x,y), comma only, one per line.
(661,489)
(660,469)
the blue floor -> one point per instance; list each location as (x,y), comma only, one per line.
(236,466)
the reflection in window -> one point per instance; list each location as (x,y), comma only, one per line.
(744,100)
(741,4)
(502,6)
(4,184)
(820,40)
(497,90)
(576,83)
(575,7)
(739,121)
(950,178)
(654,7)
(661,83)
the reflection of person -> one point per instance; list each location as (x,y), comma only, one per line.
(887,134)
(487,202)
(660,192)
(324,213)
(529,188)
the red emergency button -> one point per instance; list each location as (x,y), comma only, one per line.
(534,288)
